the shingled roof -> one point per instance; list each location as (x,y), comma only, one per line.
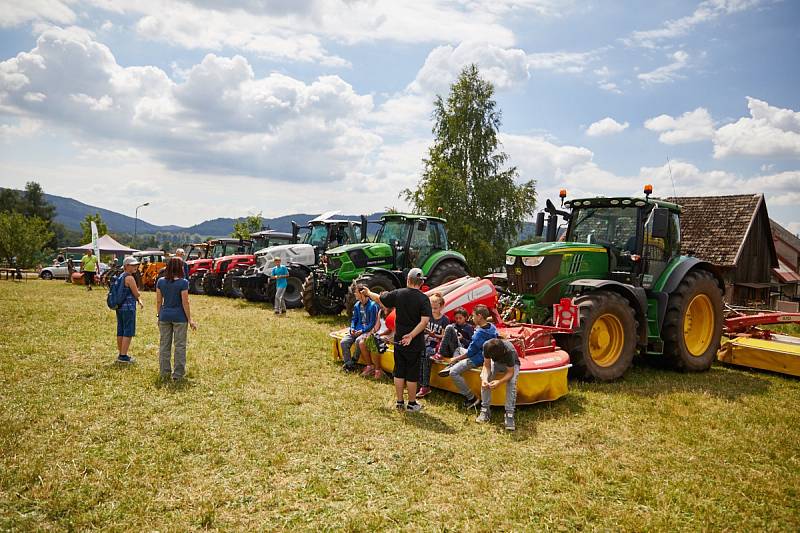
(714,228)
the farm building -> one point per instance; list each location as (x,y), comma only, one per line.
(786,278)
(733,233)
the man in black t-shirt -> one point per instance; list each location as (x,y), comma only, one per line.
(413,311)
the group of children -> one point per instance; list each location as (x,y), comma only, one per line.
(461,345)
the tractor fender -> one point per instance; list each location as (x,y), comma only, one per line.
(674,279)
(300,266)
(431,264)
(636,296)
(391,275)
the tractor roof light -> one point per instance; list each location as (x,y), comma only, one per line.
(562,194)
(648,190)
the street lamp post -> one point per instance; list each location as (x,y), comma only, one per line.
(136,219)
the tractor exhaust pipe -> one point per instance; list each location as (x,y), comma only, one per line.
(295,232)
(552,227)
(539,224)
(363,228)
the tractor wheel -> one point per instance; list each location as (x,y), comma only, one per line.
(229,287)
(693,323)
(315,305)
(603,347)
(256,294)
(209,285)
(446,271)
(294,288)
(195,284)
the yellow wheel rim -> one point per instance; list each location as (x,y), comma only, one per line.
(698,325)
(606,340)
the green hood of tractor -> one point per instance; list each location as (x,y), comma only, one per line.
(554,248)
(372,249)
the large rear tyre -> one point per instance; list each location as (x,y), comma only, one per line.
(210,285)
(256,294)
(229,286)
(693,324)
(294,288)
(195,284)
(314,304)
(445,271)
(603,347)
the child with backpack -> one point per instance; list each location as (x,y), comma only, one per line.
(122,298)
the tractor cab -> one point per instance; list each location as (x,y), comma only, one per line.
(329,233)
(196,251)
(413,238)
(267,238)
(640,236)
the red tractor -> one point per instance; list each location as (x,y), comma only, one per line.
(216,248)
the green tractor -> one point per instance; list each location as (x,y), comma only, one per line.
(402,242)
(620,259)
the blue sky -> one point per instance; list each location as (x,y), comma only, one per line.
(223,108)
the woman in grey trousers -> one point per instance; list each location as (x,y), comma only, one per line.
(174,317)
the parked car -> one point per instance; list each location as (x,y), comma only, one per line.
(60,271)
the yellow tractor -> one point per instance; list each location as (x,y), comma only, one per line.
(151,262)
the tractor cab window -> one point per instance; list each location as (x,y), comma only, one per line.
(657,252)
(194,253)
(318,236)
(424,241)
(614,226)
(440,236)
(395,232)
(340,235)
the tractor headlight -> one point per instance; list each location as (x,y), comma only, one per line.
(511,259)
(532,261)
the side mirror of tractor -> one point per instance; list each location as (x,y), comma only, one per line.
(660,221)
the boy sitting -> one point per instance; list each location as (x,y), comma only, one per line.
(473,357)
(434,332)
(500,359)
(365,316)
(456,337)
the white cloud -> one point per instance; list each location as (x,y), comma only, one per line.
(667,73)
(221,118)
(691,126)
(705,12)
(606,126)
(769,131)
(16,12)
(25,127)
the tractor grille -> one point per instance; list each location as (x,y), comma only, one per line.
(530,280)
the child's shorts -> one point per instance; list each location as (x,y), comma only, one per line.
(126,323)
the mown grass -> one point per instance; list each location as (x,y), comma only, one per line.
(268,434)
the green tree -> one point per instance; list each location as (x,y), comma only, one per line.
(243,227)
(86,227)
(9,200)
(22,238)
(464,174)
(34,204)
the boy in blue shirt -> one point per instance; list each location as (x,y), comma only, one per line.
(365,317)
(280,274)
(473,357)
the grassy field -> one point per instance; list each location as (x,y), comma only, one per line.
(267,433)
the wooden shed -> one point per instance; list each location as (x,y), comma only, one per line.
(786,278)
(732,232)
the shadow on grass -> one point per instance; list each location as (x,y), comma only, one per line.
(170,385)
(651,378)
(421,420)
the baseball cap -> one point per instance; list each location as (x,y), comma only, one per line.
(130,260)
(416,274)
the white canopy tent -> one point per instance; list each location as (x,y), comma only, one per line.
(106,244)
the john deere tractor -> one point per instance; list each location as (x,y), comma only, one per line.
(322,233)
(402,242)
(621,260)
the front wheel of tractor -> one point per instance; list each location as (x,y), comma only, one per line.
(447,270)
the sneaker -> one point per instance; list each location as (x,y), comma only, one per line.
(400,406)
(483,416)
(369,369)
(509,421)
(348,367)
(471,403)
(423,391)
(413,408)
(444,373)
(125,359)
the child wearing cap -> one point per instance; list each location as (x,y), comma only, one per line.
(126,313)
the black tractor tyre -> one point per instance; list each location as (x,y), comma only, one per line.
(315,305)
(229,288)
(592,307)
(196,284)
(447,270)
(674,331)
(209,286)
(294,288)
(255,294)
